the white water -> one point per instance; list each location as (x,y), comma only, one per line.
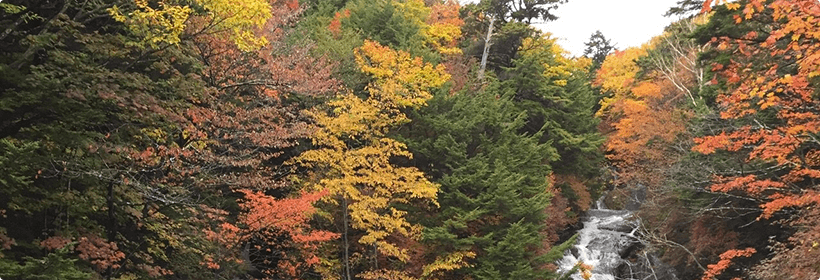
(606,235)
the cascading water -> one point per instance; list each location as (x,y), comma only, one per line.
(604,240)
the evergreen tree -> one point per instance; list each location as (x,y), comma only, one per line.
(494,183)
(558,100)
(598,47)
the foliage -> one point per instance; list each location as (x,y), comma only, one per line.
(554,92)
(134,152)
(53,266)
(491,177)
(354,159)
(169,139)
(770,96)
(167,23)
(520,11)
(597,49)
(725,260)
(444,29)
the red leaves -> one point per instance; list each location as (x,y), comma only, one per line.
(265,215)
(101,253)
(713,270)
(336,23)
(292,4)
(54,242)
(5,241)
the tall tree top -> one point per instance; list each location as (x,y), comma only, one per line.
(520,10)
(598,47)
(685,8)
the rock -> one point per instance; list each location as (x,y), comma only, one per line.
(607,243)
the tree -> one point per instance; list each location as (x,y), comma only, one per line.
(597,48)
(556,94)
(770,85)
(520,10)
(137,126)
(475,143)
(496,28)
(685,7)
(444,29)
(354,160)
(494,187)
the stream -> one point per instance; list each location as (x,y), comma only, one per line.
(608,243)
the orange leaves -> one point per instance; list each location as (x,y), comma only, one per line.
(750,184)
(617,75)
(644,123)
(292,4)
(713,270)
(444,27)
(262,212)
(763,78)
(54,242)
(710,144)
(335,26)
(647,90)
(264,216)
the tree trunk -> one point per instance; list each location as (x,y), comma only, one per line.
(487,45)
(346,243)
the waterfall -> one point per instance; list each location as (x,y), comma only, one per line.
(603,243)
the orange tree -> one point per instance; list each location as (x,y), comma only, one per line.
(766,56)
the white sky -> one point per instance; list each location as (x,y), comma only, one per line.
(625,23)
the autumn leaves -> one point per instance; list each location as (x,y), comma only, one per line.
(354,156)
(752,124)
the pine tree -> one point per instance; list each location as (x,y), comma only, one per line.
(597,48)
(494,187)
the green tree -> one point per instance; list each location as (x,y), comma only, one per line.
(558,99)
(494,185)
(597,48)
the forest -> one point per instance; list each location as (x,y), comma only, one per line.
(401,140)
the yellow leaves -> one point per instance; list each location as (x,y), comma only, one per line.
(619,70)
(239,19)
(413,10)
(154,26)
(385,274)
(448,262)
(354,155)
(732,6)
(557,67)
(166,24)
(444,27)
(442,37)
(352,118)
(401,80)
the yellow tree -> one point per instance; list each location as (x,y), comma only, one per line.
(617,75)
(162,21)
(444,27)
(354,158)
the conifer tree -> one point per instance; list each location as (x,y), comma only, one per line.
(494,184)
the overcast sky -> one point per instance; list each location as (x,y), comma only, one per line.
(626,23)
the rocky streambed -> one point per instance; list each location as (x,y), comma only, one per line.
(608,242)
